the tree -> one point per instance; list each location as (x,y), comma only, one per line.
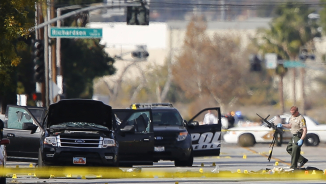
(289,30)
(210,66)
(14,23)
(323,16)
(83,60)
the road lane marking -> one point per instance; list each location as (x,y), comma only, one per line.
(279,160)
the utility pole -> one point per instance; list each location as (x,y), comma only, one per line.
(46,57)
(36,20)
(53,47)
(58,76)
(222,10)
(303,111)
(40,86)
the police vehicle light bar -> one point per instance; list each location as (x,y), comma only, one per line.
(138,105)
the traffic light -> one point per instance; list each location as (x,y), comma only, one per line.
(305,54)
(140,54)
(138,15)
(37,96)
(38,59)
(255,63)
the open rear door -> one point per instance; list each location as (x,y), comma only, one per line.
(205,130)
(23,144)
(135,136)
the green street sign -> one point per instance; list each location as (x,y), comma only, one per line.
(75,32)
(293,64)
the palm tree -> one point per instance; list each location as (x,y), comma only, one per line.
(289,30)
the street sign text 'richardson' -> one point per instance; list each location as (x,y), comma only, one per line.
(75,32)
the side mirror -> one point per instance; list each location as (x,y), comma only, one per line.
(193,123)
(29,126)
(4,142)
(128,129)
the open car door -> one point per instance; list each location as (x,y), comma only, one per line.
(205,130)
(134,133)
(20,122)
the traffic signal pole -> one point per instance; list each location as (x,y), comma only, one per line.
(46,62)
(45,24)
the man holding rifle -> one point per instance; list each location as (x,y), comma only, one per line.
(297,123)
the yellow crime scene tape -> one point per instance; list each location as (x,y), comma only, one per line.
(115,173)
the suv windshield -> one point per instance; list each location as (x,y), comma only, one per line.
(78,125)
(167,117)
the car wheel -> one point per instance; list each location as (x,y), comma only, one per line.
(2,180)
(41,164)
(185,163)
(246,140)
(278,139)
(311,140)
(40,159)
(125,165)
(116,161)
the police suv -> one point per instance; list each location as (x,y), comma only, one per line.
(173,138)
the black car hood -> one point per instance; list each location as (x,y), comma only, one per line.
(169,128)
(80,110)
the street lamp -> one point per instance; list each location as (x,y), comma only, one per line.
(304,54)
(140,54)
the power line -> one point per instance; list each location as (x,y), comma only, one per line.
(208,3)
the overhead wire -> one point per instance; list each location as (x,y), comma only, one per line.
(206,3)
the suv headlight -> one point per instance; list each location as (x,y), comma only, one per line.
(50,140)
(182,136)
(108,142)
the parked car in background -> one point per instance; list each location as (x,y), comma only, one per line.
(249,134)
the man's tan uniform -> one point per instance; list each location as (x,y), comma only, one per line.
(297,125)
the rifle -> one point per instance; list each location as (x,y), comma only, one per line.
(277,130)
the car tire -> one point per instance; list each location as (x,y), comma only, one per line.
(125,165)
(246,140)
(117,161)
(185,163)
(278,139)
(311,140)
(2,180)
(41,164)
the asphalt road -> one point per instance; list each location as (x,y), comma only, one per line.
(233,159)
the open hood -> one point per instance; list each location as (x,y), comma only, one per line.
(80,110)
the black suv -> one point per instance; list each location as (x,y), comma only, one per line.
(178,140)
(73,132)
